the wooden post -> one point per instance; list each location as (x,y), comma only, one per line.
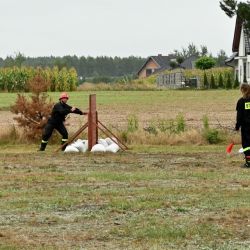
(92,122)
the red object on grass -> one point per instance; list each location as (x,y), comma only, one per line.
(229,148)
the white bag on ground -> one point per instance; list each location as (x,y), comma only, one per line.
(98,148)
(103,142)
(81,145)
(70,149)
(110,141)
(113,148)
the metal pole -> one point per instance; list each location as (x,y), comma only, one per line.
(92,121)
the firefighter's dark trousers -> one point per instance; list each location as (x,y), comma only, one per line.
(48,130)
(245,139)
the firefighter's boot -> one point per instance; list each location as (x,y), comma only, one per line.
(43,146)
(247,163)
(64,142)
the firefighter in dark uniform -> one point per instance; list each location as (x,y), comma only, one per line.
(56,120)
(243,121)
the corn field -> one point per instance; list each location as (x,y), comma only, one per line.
(15,79)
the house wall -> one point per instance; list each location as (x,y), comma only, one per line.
(248,69)
(243,61)
(150,65)
(242,44)
(240,71)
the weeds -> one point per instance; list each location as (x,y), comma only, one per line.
(10,135)
(211,135)
(158,132)
(172,126)
(133,124)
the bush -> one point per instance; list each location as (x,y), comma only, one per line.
(180,126)
(33,112)
(236,82)
(205,122)
(212,136)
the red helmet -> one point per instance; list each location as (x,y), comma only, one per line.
(64,95)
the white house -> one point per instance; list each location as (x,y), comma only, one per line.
(240,59)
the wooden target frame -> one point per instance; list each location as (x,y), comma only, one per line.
(93,126)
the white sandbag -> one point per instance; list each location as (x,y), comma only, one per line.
(108,140)
(111,141)
(113,148)
(81,145)
(103,142)
(98,148)
(70,149)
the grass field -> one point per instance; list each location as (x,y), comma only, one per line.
(149,197)
(167,198)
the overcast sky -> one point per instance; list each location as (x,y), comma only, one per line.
(112,27)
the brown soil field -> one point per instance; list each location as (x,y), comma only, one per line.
(117,116)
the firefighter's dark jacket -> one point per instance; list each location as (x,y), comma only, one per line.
(243,113)
(60,111)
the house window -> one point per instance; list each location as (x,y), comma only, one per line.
(149,72)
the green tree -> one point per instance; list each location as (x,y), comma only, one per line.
(173,64)
(236,82)
(221,57)
(204,63)
(187,52)
(212,82)
(229,82)
(180,59)
(204,50)
(205,81)
(221,82)
(19,59)
(241,10)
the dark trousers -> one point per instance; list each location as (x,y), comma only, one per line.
(48,130)
(245,139)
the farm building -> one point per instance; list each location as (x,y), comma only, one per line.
(240,58)
(155,64)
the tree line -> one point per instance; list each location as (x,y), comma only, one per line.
(102,66)
(84,66)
